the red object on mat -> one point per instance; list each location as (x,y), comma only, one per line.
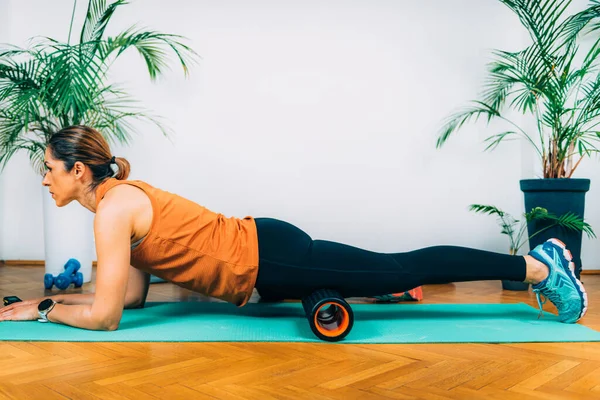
(415,294)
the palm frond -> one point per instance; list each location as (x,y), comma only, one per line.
(585,146)
(12,139)
(506,72)
(114,111)
(70,83)
(544,79)
(460,118)
(36,151)
(52,84)
(510,226)
(568,221)
(506,221)
(589,105)
(97,18)
(152,46)
(495,140)
(575,24)
(18,76)
(486,209)
(536,214)
(540,18)
(572,221)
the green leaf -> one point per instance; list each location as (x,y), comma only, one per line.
(495,140)
(486,209)
(460,118)
(568,221)
(152,46)
(506,221)
(549,78)
(52,84)
(97,18)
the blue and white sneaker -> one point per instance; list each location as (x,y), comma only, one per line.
(561,286)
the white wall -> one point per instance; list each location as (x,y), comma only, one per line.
(323,114)
(4,38)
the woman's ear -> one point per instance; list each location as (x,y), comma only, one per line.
(79,169)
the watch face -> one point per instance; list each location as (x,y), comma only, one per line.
(45,304)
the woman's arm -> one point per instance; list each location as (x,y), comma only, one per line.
(137,290)
(118,285)
(71,298)
(112,229)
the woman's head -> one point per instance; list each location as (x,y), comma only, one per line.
(78,155)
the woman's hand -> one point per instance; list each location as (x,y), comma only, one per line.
(21,311)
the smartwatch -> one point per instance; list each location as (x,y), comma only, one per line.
(44,308)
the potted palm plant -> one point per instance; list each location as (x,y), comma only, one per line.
(559,88)
(515,230)
(53,84)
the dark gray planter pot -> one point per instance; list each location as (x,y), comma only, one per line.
(558,196)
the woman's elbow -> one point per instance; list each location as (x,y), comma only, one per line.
(111,327)
(107,323)
(104,318)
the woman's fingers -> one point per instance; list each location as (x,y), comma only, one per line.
(26,302)
(15,305)
(14,312)
(6,310)
(20,304)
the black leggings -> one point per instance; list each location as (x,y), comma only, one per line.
(292,265)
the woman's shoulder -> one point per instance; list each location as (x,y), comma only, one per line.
(123,195)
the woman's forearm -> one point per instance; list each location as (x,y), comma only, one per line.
(74,299)
(76,310)
(81,316)
(88,298)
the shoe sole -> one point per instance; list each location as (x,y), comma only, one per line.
(390,298)
(571,268)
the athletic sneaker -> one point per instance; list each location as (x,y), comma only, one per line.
(561,286)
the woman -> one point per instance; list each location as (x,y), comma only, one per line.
(141,230)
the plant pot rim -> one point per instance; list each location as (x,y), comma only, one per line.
(556,179)
(555,185)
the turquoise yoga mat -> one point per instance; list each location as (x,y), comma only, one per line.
(285,322)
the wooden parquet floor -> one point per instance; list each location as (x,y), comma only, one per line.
(40,370)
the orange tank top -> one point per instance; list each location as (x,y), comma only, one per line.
(195,248)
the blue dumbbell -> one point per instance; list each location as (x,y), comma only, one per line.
(64,281)
(66,278)
(48,281)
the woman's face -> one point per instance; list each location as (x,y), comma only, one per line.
(60,182)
